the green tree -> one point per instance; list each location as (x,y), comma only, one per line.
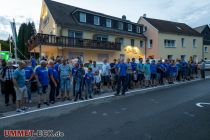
(26,30)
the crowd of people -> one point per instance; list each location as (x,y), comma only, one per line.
(63,79)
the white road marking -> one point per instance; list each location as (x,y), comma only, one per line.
(97,98)
(104,114)
(94,112)
(189,114)
(201,104)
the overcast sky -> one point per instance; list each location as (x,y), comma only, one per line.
(191,12)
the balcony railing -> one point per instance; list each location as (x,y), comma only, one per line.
(63,41)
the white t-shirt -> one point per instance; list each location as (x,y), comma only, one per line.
(105,69)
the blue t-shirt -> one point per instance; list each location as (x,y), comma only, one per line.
(43,76)
(153,68)
(140,68)
(174,69)
(134,66)
(123,68)
(184,65)
(56,66)
(53,71)
(73,71)
(65,70)
(28,72)
(89,77)
(33,62)
(19,75)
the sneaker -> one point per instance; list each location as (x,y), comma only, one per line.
(19,110)
(81,98)
(117,94)
(39,105)
(25,108)
(46,103)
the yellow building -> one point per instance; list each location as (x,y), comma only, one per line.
(171,40)
(70,32)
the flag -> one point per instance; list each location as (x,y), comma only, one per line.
(14,33)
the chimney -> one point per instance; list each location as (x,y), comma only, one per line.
(124,17)
(144,15)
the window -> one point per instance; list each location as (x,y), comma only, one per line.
(75,34)
(129,27)
(194,43)
(82,17)
(170,57)
(121,41)
(102,38)
(96,20)
(150,43)
(132,42)
(205,49)
(108,23)
(169,43)
(120,25)
(138,29)
(182,41)
(141,43)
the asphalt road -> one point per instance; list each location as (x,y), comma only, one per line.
(165,114)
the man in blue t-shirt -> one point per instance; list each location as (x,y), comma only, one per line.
(54,78)
(20,87)
(29,75)
(42,78)
(58,62)
(89,79)
(73,73)
(153,69)
(122,72)
(33,62)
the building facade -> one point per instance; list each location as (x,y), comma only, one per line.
(171,40)
(70,31)
(205,31)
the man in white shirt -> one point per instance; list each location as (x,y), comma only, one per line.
(105,74)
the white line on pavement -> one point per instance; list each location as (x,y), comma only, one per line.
(97,98)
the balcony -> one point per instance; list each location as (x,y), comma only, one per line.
(63,41)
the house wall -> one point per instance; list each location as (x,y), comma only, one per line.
(151,34)
(50,27)
(207,54)
(187,50)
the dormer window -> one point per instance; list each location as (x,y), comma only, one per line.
(82,17)
(108,23)
(120,25)
(96,20)
(130,27)
(138,29)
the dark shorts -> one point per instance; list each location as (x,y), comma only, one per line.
(43,90)
(140,77)
(153,76)
(105,80)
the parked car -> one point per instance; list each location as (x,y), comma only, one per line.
(207,65)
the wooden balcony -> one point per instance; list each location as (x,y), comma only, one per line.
(63,41)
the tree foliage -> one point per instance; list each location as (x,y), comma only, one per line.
(26,30)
